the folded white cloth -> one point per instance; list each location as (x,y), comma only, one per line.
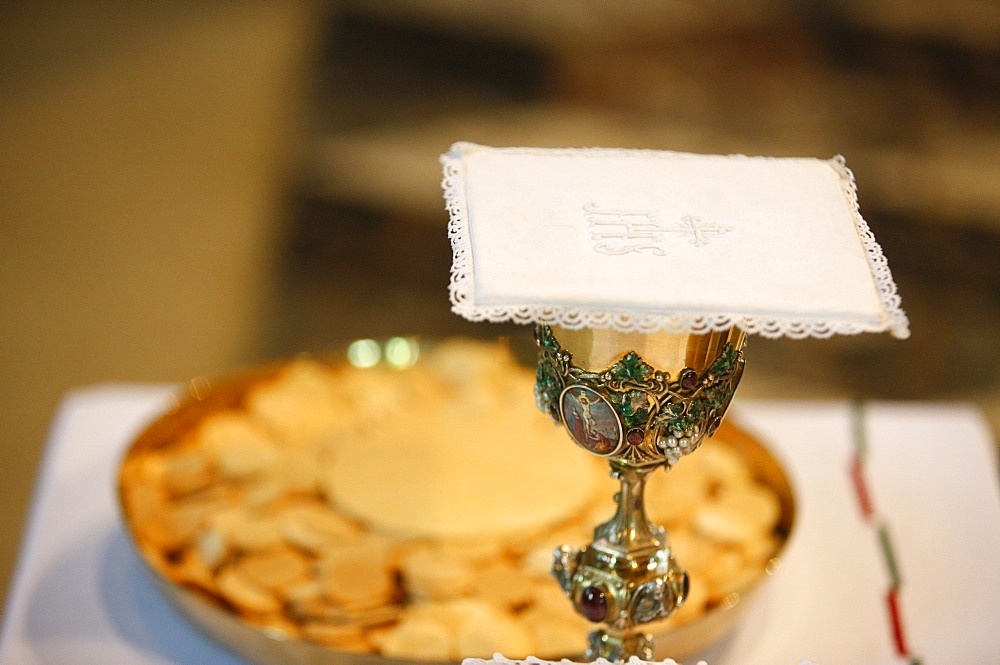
(642,240)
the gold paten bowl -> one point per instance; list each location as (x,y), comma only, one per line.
(276,642)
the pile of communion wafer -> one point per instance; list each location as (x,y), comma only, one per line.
(412,510)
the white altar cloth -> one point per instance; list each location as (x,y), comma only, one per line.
(81,595)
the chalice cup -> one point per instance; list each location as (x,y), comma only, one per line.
(641,401)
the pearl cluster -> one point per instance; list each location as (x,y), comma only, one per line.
(679,443)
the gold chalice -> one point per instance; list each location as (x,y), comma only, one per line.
(642,401)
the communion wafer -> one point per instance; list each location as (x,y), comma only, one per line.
(690,547)
(724,524)
(436,574)
(754,501)
(720,463)
(503,585)
(244,594)
(554,634)
(186,472)
(351,638)
(496,632)
(262,491)
(420,638)
(221,430)
(549,598)
(476,552)
(671,496)
(274,569)
(431,484)
(246,457)
(312,526)
(473,626)
(237,445)
(175,525)
(357,575)
(240,528)
(726,565)
(300,404)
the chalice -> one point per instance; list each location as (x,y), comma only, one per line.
(641,401)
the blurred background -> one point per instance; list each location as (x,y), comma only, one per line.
(188,188)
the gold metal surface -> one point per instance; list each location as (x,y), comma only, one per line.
(594,349)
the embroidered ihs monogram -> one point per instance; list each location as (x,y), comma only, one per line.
(623,231)
(617,232)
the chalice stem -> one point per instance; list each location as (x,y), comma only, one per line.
(630,530)
(633,539)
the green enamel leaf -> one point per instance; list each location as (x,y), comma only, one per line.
(632,368)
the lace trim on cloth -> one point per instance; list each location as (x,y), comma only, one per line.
(462,282)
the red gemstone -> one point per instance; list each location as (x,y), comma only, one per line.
(634,437)
(594,604)
(689,379)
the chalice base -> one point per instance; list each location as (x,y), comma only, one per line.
(618,647)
